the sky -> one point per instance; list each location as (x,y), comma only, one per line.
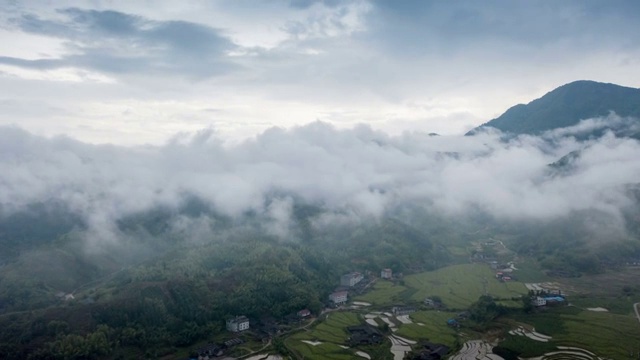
(143,72)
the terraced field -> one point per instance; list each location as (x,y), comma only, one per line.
(605,334)
(457,285)
(460,285)
(327,340)
(431,326)
(475,350)
(386,293)
(568,353)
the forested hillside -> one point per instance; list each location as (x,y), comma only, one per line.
(186,292)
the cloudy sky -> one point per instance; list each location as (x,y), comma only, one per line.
(125,72)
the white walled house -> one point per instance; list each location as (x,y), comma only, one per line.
(386,274)
(338,297)
(539,301)
(351,279)
(238,323)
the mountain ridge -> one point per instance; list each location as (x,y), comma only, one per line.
(566,106)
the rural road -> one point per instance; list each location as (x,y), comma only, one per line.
(635,308)
(257,351)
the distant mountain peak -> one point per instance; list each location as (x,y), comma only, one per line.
(566,106)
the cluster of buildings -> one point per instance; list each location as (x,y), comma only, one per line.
(341,294)
(207,352)
(215,350)
(431,351)
(364,335)
(500,275)
(266,326)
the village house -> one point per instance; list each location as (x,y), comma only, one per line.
(554,300)
(431,351)
(304,313)
(338,297)
(364,335)
(463,315)
(402,310)
(386,274)
(238,323)
(210,350)
(453,323)
(538,301)
(351,279)
(429,302)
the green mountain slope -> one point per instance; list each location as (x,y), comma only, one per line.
(566,106)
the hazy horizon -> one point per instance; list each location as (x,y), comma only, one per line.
(119,72)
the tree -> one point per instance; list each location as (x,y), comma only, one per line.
(485,309)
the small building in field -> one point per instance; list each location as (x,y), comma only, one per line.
(386,274)
(554,300)
(238,323)
(538,301)
(351,279)
(402,310)
(338,297)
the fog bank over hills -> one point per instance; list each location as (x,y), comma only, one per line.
(349,174)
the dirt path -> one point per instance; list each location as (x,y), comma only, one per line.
(636,308)
(257,351)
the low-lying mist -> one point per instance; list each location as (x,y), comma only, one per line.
(349,174)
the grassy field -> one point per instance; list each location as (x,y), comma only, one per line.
(529,271)
(386,293)
(434,327)
(527,347)
(608,284)
(622,305)
(606,334)
(460,285)
(332,333)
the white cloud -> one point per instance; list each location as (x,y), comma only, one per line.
(359,171)
(398,66)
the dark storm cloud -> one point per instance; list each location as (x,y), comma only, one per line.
(116,42)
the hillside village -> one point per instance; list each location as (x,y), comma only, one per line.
(382,323)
